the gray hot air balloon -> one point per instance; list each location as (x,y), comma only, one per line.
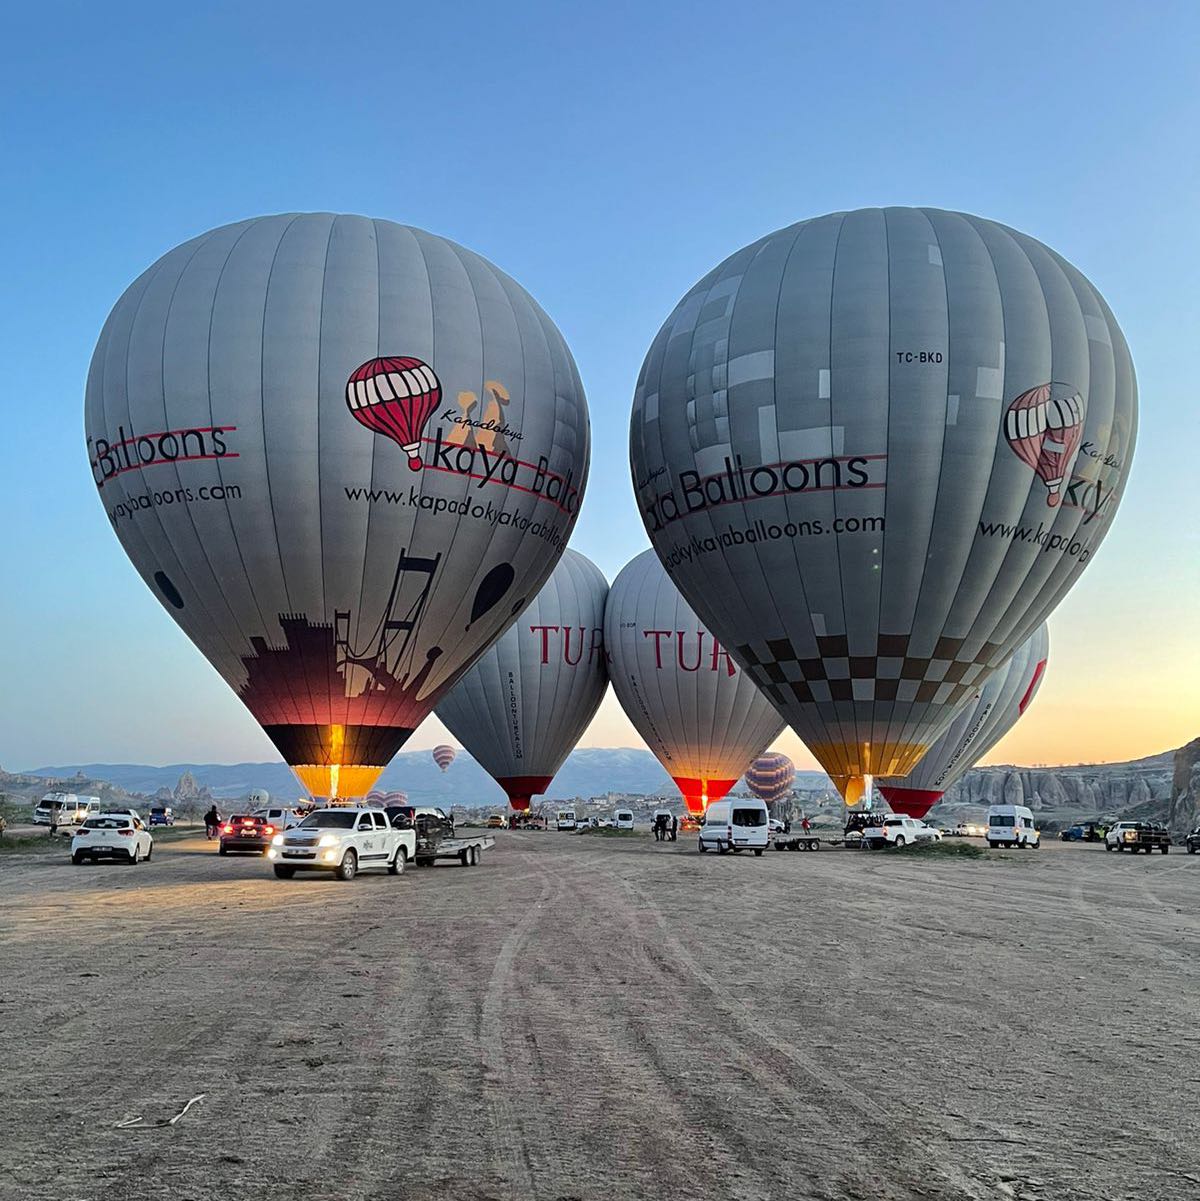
(344,454)
(991,713)
(523,706)
(696,710)
(874,450)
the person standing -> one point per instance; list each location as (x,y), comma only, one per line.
(674,826)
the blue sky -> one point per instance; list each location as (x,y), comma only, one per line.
(606,156)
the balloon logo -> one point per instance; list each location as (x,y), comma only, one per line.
(1043,426)
(395,397)
(443,756)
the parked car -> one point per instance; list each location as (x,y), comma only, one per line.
(1012,826)
(343,841)
(1193,841)
(739,825)
(565,820)
(622,819)
(65,809)
(246,833)
(1083,832)
(497,821)
(898,830)
(1138,836)
(162,815)
(775,826)
(111,836)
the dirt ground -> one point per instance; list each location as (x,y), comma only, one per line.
(583,1017)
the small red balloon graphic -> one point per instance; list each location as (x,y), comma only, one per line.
(395,397)
(1043,426)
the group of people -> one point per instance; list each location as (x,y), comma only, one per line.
(666,827)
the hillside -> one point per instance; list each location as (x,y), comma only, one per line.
(1159,787)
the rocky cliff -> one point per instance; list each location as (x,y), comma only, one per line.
(1145,787)
(1184,811)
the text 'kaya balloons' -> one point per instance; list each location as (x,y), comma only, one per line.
(1004,697)
(255,407)
(523,706)
(874,450)
(771,776)
(699,713)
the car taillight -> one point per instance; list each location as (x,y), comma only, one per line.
(227,829)
(268,829)
(127,833)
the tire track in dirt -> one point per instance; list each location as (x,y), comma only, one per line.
(509,1143)
(836,1094)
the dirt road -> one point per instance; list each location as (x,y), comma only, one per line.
(583,1017)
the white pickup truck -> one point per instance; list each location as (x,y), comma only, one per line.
(897,830)
(344,841)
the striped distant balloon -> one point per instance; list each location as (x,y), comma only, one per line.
(995,709)
(770,777)
(443,756)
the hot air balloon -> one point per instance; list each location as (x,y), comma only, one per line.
(255,407)
(771,776)
(977,727)
(443,756)
(258,798)
(523,706)
(874,450)
(696,710)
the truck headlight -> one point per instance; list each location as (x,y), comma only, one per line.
(277,841)
(272,853)
(327,840)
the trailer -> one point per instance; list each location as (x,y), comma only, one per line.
(466,850)
(797,842)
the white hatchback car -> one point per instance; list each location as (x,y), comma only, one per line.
(112,836)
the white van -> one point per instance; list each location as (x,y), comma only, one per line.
(623,819)
(736,825)
(565,820)
(1012,826)
(65,809)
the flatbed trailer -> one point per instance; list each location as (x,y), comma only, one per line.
(466,850)
(796,841)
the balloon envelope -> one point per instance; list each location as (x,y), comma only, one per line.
(874,450)
(695,708)
(771,776)
(523,706)
(342,453)
(978,726)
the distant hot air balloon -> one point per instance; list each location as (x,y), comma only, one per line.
(443,756)
(255,405)
(771,776)
(875,450)
(258,798)
(1001,700)
(696,710)
(523,706)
